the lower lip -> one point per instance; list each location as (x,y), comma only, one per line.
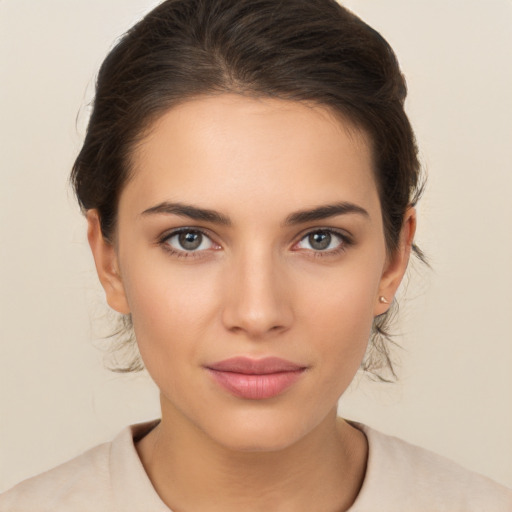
(256,387)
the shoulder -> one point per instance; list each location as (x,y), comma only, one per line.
(107,478)
(65,487)
(402,476)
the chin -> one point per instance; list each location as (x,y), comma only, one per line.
(260,432)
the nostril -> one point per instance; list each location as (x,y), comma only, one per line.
(258,300)
(255,324)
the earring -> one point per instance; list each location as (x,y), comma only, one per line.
(383,300)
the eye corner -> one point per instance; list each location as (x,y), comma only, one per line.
(199,242)
(327,237)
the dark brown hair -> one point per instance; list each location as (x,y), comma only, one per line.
(313,51)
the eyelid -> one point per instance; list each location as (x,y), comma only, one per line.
(342,233)
(346,240)
(164,237)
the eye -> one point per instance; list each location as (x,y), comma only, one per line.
(189,240)
(323,240)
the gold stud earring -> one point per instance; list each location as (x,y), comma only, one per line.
(383,300)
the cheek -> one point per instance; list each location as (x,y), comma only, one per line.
(169,309)
(340,317)
(342,296)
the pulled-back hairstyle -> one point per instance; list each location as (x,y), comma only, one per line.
(312,51)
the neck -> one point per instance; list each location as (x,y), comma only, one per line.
(190,471)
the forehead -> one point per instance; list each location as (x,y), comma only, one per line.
(225,148)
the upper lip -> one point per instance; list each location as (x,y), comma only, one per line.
(251,366)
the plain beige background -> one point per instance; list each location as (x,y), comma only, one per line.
(455,391)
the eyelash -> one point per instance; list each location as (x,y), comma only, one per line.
(345,242)
(164,239)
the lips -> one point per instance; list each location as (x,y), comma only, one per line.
(255,379)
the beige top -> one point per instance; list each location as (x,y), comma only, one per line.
(399,477)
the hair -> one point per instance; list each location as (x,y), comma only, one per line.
(312,51)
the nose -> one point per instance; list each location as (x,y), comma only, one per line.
(258,300)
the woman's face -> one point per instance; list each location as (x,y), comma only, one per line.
(251,229)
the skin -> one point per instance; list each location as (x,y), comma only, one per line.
(256,287)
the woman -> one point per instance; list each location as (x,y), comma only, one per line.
(249,179)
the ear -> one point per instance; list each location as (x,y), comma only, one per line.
(107,267)
(396,263)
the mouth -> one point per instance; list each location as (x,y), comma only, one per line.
(255,379)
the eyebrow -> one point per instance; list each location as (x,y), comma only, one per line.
(324,212)
(299,217)
(192,212)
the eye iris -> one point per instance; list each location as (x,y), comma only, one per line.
(320,240)
(190,240)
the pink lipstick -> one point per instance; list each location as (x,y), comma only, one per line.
(255,379)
